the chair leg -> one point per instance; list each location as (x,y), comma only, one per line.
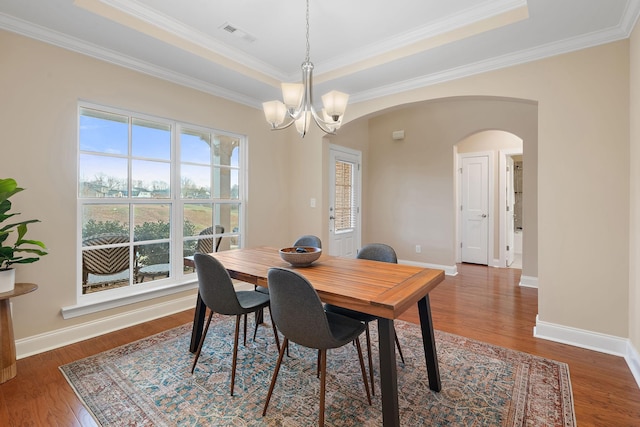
(364,373)
(245,329)
(398,345)
(285,344)
(235,352)
(255,329)
(323,381)
(204,334)
(368,336)
(275,331)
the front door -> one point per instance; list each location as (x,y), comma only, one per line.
(475,210)
(344,201)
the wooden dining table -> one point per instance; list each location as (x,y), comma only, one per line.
(382,289)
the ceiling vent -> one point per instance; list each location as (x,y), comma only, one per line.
(237,33)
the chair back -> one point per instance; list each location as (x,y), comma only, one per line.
(378,252)
(297,309)
(215,285)
(205,244)
(105,260)
(308,240)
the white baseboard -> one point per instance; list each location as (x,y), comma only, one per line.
(633,360)
(50,340)
(449,270)
(528,282)
(595,341)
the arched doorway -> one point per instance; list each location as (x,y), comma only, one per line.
(486,198)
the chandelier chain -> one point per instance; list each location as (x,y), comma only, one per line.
(308,48)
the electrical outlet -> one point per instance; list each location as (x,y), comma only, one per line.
(418,249)
(312,202)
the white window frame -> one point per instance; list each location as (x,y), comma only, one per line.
(179,280)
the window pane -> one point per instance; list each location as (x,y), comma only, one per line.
(197,217)
(344,212)
(105,267)
(195,182)
(150,140)
(150,179)
(103,132)
(225,183)
(98,220)
(153,262)
(229,215)
(226,150)
(195,147)
(102,176)
(151,222)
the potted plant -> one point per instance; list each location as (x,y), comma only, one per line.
(11,249)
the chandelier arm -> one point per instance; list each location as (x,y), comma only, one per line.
(322,124)
(284,125)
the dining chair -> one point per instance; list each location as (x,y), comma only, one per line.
(219,295)
(308,240)
(374,252)
(299,315)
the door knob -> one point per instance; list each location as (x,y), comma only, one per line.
(484,215)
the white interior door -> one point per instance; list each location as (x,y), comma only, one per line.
(475,210)
(511,201)
(344,201)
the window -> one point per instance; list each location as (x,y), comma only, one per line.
(152,191)
(345,197)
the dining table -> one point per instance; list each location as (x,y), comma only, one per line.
(385,290)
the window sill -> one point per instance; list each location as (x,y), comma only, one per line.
(107,302)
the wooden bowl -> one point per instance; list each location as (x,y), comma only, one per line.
(300,256)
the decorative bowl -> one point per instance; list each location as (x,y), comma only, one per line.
(300,256)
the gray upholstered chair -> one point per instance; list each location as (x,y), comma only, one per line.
(308,240)
(299,315)
(374,252)
(219,295)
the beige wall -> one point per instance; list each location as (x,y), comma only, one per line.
(634,193)
(40,86)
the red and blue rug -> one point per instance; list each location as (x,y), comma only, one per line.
(148,383)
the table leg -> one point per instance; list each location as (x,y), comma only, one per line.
(8,368)
(198,323)
(429,342)
(388,373)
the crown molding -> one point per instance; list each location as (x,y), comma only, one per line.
(504,61)
(48,36)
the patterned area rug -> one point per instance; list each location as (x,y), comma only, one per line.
(148,383)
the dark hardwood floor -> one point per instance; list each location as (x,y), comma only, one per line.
(480,303)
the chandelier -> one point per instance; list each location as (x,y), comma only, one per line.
(298,103)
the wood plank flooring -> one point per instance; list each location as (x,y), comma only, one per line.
(480,303)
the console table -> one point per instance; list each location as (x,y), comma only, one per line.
(7,342)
